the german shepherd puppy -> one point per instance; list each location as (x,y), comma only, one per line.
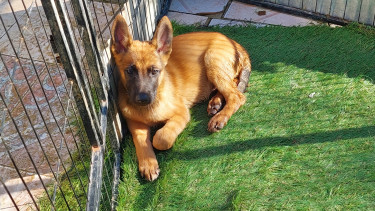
(160,81)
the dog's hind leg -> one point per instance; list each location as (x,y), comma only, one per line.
(222,75)
(217,102)
(234,99)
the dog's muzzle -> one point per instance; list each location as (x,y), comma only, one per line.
(143,98)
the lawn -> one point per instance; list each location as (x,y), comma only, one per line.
(305,139)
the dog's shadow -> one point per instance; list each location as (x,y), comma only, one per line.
(198,124)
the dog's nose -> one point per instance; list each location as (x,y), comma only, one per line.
(143,98)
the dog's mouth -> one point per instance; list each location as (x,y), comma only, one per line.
(142,104)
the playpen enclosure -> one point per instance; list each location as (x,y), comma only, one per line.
(59,128)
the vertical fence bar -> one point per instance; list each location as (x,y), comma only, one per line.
(93,57)
(95,64)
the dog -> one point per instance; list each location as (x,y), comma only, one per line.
(159,82)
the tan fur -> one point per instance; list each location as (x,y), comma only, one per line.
(198,63)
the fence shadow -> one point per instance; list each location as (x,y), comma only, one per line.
(257,143)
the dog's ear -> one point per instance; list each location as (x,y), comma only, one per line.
(163,36)
(121,37)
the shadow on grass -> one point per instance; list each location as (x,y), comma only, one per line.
(239,146)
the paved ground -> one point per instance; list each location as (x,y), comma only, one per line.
(31,74)
(228,12)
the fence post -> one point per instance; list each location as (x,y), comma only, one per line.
(92,55)
(69,61)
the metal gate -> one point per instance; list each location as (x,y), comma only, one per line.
(60,130)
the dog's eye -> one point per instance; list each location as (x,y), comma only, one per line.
(130,70)
(154,71)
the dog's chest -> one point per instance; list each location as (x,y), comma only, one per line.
(148,115)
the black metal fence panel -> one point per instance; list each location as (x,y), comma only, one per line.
(60,130)
(337,11)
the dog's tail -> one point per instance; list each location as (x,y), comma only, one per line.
(243,79)
(244,75)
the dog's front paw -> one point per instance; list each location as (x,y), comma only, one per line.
(164,139)
(149,169)
(217,122)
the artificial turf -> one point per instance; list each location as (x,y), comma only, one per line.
(304,139)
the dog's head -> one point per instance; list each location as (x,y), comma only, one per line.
(141,65)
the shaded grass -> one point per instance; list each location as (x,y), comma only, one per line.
(282,149)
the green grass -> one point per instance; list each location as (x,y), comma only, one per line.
(282,149)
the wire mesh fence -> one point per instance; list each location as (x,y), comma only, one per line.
(59,127)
